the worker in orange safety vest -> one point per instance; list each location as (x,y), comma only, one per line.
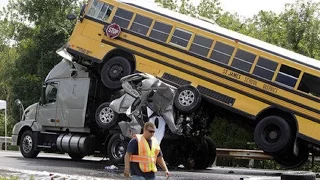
(143,154)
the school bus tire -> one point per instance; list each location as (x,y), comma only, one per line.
(298,175)
(187,99)
(113,70)
(273,135)
(289,160)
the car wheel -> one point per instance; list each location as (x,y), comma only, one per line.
(105,117)
(187,99)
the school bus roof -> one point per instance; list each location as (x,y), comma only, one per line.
(153,7)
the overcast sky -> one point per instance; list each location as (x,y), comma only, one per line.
(246,8)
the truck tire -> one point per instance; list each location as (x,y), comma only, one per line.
(201,159)
(105,117)
(211,151)
(117,149)
(187,99)
(113,70)
(273,135)
(298,175)
(75,156)
(27,145)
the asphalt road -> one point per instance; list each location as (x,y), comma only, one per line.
(60,166)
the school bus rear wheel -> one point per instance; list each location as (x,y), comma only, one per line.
(289,160)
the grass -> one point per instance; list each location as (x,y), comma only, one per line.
(14,178)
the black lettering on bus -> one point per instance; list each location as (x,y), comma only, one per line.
(270,88)
(225,71)
(234,75)
(251,81)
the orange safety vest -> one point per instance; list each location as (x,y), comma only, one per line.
(146,157)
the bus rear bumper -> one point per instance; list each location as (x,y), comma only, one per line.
(64,53)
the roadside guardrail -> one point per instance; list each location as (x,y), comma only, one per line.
(250,155)
(3,142)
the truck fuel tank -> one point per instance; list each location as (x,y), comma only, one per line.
(76,143)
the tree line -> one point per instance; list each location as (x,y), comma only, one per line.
(32,30)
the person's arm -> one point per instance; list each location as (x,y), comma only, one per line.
(131,149)
(127,164)
(163,165)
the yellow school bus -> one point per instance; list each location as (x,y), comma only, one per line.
(274,89)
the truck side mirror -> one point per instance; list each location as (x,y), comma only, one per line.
(42,98)
(20,105)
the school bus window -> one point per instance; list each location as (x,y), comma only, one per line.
(181,37)
(310,84)
(287,76)
(100,10)
(243,60)
(201,45)
(160,31)
(141,24)
(122,17)
(222,53)
(265,68)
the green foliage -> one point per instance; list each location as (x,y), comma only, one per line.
(228,134)
(9,178)
(31,31)
(15,178)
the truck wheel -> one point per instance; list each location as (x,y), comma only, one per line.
(113,70)
(211,151)
(289,160)
(201,159)
(298,175)
(27,145)
(273,135)
(105,117)
(117,149)
(75,156)
(187,99)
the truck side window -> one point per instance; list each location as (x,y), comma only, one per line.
(51,93)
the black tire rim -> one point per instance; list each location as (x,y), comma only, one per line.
(271,134)
(116,72)
(117,149)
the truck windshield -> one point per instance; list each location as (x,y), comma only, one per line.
(51,93)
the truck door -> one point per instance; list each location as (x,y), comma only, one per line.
(72,102)
(48,106)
